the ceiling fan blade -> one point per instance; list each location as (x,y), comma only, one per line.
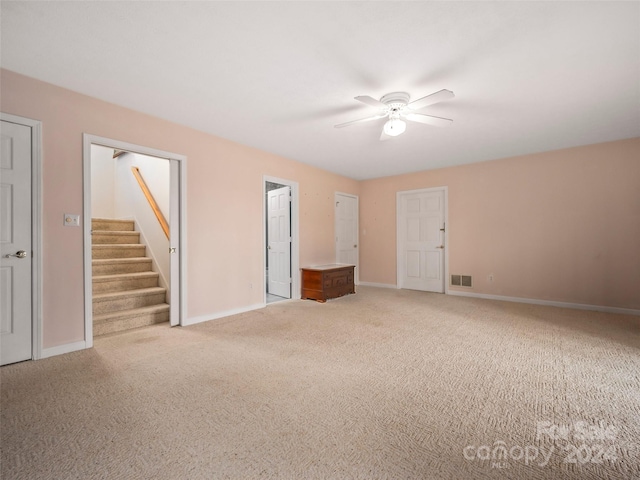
(431,99)
(384,136)
(428,119)
(368,119)
(370,101)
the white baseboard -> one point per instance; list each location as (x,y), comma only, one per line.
(217,315)
(551,303)
(61,349)
(379,285)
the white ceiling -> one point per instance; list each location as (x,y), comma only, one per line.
(528,76)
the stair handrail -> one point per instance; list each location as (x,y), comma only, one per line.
(151,200)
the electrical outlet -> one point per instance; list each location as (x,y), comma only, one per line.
(490,277)
(71,220)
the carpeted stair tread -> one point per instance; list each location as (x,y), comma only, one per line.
(128,293)
(133,312)
(109,266)
(123,320)
(111,224)
(126,300)
(103,246)
(112,261)
(123,276)
(124,281)
(111,237)
(121,250)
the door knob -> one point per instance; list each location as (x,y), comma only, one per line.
(355,246)
(18,254)
(440,246)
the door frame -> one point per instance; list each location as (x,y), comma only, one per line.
(399,263)
(274,285)
(36,228)
(88,140)
(295,235)
(335,229)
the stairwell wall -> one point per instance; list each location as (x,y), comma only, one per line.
(102,182)
(131,204)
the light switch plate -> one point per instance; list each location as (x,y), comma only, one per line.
(71,220)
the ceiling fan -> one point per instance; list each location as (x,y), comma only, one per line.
(396,107)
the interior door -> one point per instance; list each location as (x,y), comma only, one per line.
(421,241)
(174,242)
(347,229)
(15,243)
(279,241)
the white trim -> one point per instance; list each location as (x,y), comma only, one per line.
(219,315)
(86,240)
(62,349)
(280,302)
(88,140)
(335,230)
(36,229)
(444,189)
(378,285)
(550,303)
(295,236)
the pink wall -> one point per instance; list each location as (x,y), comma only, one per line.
(561,226)
(224,202)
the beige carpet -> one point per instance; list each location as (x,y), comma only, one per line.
(383,384)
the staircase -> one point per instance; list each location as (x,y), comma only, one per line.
(125,290)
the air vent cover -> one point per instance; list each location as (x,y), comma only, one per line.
(461,281)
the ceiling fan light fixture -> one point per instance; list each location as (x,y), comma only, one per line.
(394,127)
(396,108)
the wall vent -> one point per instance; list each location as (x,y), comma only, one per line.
(461,281)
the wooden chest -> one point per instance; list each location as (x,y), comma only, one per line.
(327,281)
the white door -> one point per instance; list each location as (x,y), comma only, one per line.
(421,240)
(279,241)
(347,229)
(174,243)
(15,241)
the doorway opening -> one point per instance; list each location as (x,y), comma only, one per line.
(133,231)
(280,227)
